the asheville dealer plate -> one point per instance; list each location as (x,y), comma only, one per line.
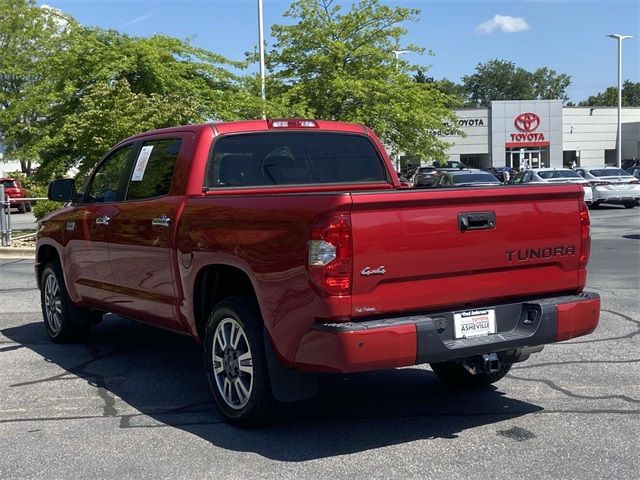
(474,323)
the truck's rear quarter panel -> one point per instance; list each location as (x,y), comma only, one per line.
(266,237)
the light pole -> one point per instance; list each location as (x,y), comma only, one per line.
(261,50)
(620,38)
(397,54)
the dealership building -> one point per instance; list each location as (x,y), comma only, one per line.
(541,133)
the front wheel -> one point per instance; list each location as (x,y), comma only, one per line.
(465,373)
(64,321)
(236,363)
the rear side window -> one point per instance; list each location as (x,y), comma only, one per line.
(474,177)
(8,184)
(610,172)
(153,169)
(293,158)
(558,174)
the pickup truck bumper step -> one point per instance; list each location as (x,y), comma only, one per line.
(411,340)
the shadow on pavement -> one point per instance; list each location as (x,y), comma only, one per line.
(160,375)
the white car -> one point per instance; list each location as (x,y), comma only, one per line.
(612,185)
(555,175)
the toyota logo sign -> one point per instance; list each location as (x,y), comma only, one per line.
(527,122)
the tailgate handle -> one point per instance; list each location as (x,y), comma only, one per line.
(476,221)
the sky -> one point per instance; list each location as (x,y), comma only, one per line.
(568,36)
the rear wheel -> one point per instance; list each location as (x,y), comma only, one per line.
(236,363)
(465,373)
(629,204)
(22,207)
(64,321)
(28,206)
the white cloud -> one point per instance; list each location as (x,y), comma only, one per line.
(136,20)
(505,23)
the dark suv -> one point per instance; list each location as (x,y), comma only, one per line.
(424,176)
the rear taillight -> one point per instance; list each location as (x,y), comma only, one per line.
(331,254)
(634,181)
(599,184)
(585,236)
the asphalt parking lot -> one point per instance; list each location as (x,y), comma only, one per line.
(133,402)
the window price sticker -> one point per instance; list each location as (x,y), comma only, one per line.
(141,163)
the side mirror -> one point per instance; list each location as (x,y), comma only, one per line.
(62,190)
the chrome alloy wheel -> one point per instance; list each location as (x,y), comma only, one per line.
(53,304)
(232,363)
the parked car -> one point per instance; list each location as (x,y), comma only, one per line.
(287,247)
(554,175)
(424,177)
(13,189)
(465,178)
(612,185)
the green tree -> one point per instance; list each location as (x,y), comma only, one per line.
(549,85)
(503,80)
(29,37)
(339,65)
(448,87)
(109,86)
(609,98)
(498,80)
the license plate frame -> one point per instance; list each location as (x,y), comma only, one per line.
(474,323)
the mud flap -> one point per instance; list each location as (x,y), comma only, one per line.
(288,384)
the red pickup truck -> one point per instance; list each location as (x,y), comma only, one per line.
(13,189)
(289,247)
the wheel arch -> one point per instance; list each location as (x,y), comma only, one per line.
(44,255)
(213,283)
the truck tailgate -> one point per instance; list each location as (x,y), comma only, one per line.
(413,250)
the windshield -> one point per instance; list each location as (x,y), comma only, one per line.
(293,158)
(559,174)
(610,172)
(8,183)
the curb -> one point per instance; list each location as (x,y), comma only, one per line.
(8,252)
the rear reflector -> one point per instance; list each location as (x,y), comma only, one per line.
(292,123)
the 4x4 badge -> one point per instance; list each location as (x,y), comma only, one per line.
(367,271)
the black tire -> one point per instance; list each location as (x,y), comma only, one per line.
(249,401)
(28,206)
(454,374)
(64,321)
(630,205)
(594,205)
(22,207)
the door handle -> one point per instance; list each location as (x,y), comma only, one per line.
(476,221)
(103,220)
(161,221)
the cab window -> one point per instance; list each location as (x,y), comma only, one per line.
(153,169)
(108,181)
